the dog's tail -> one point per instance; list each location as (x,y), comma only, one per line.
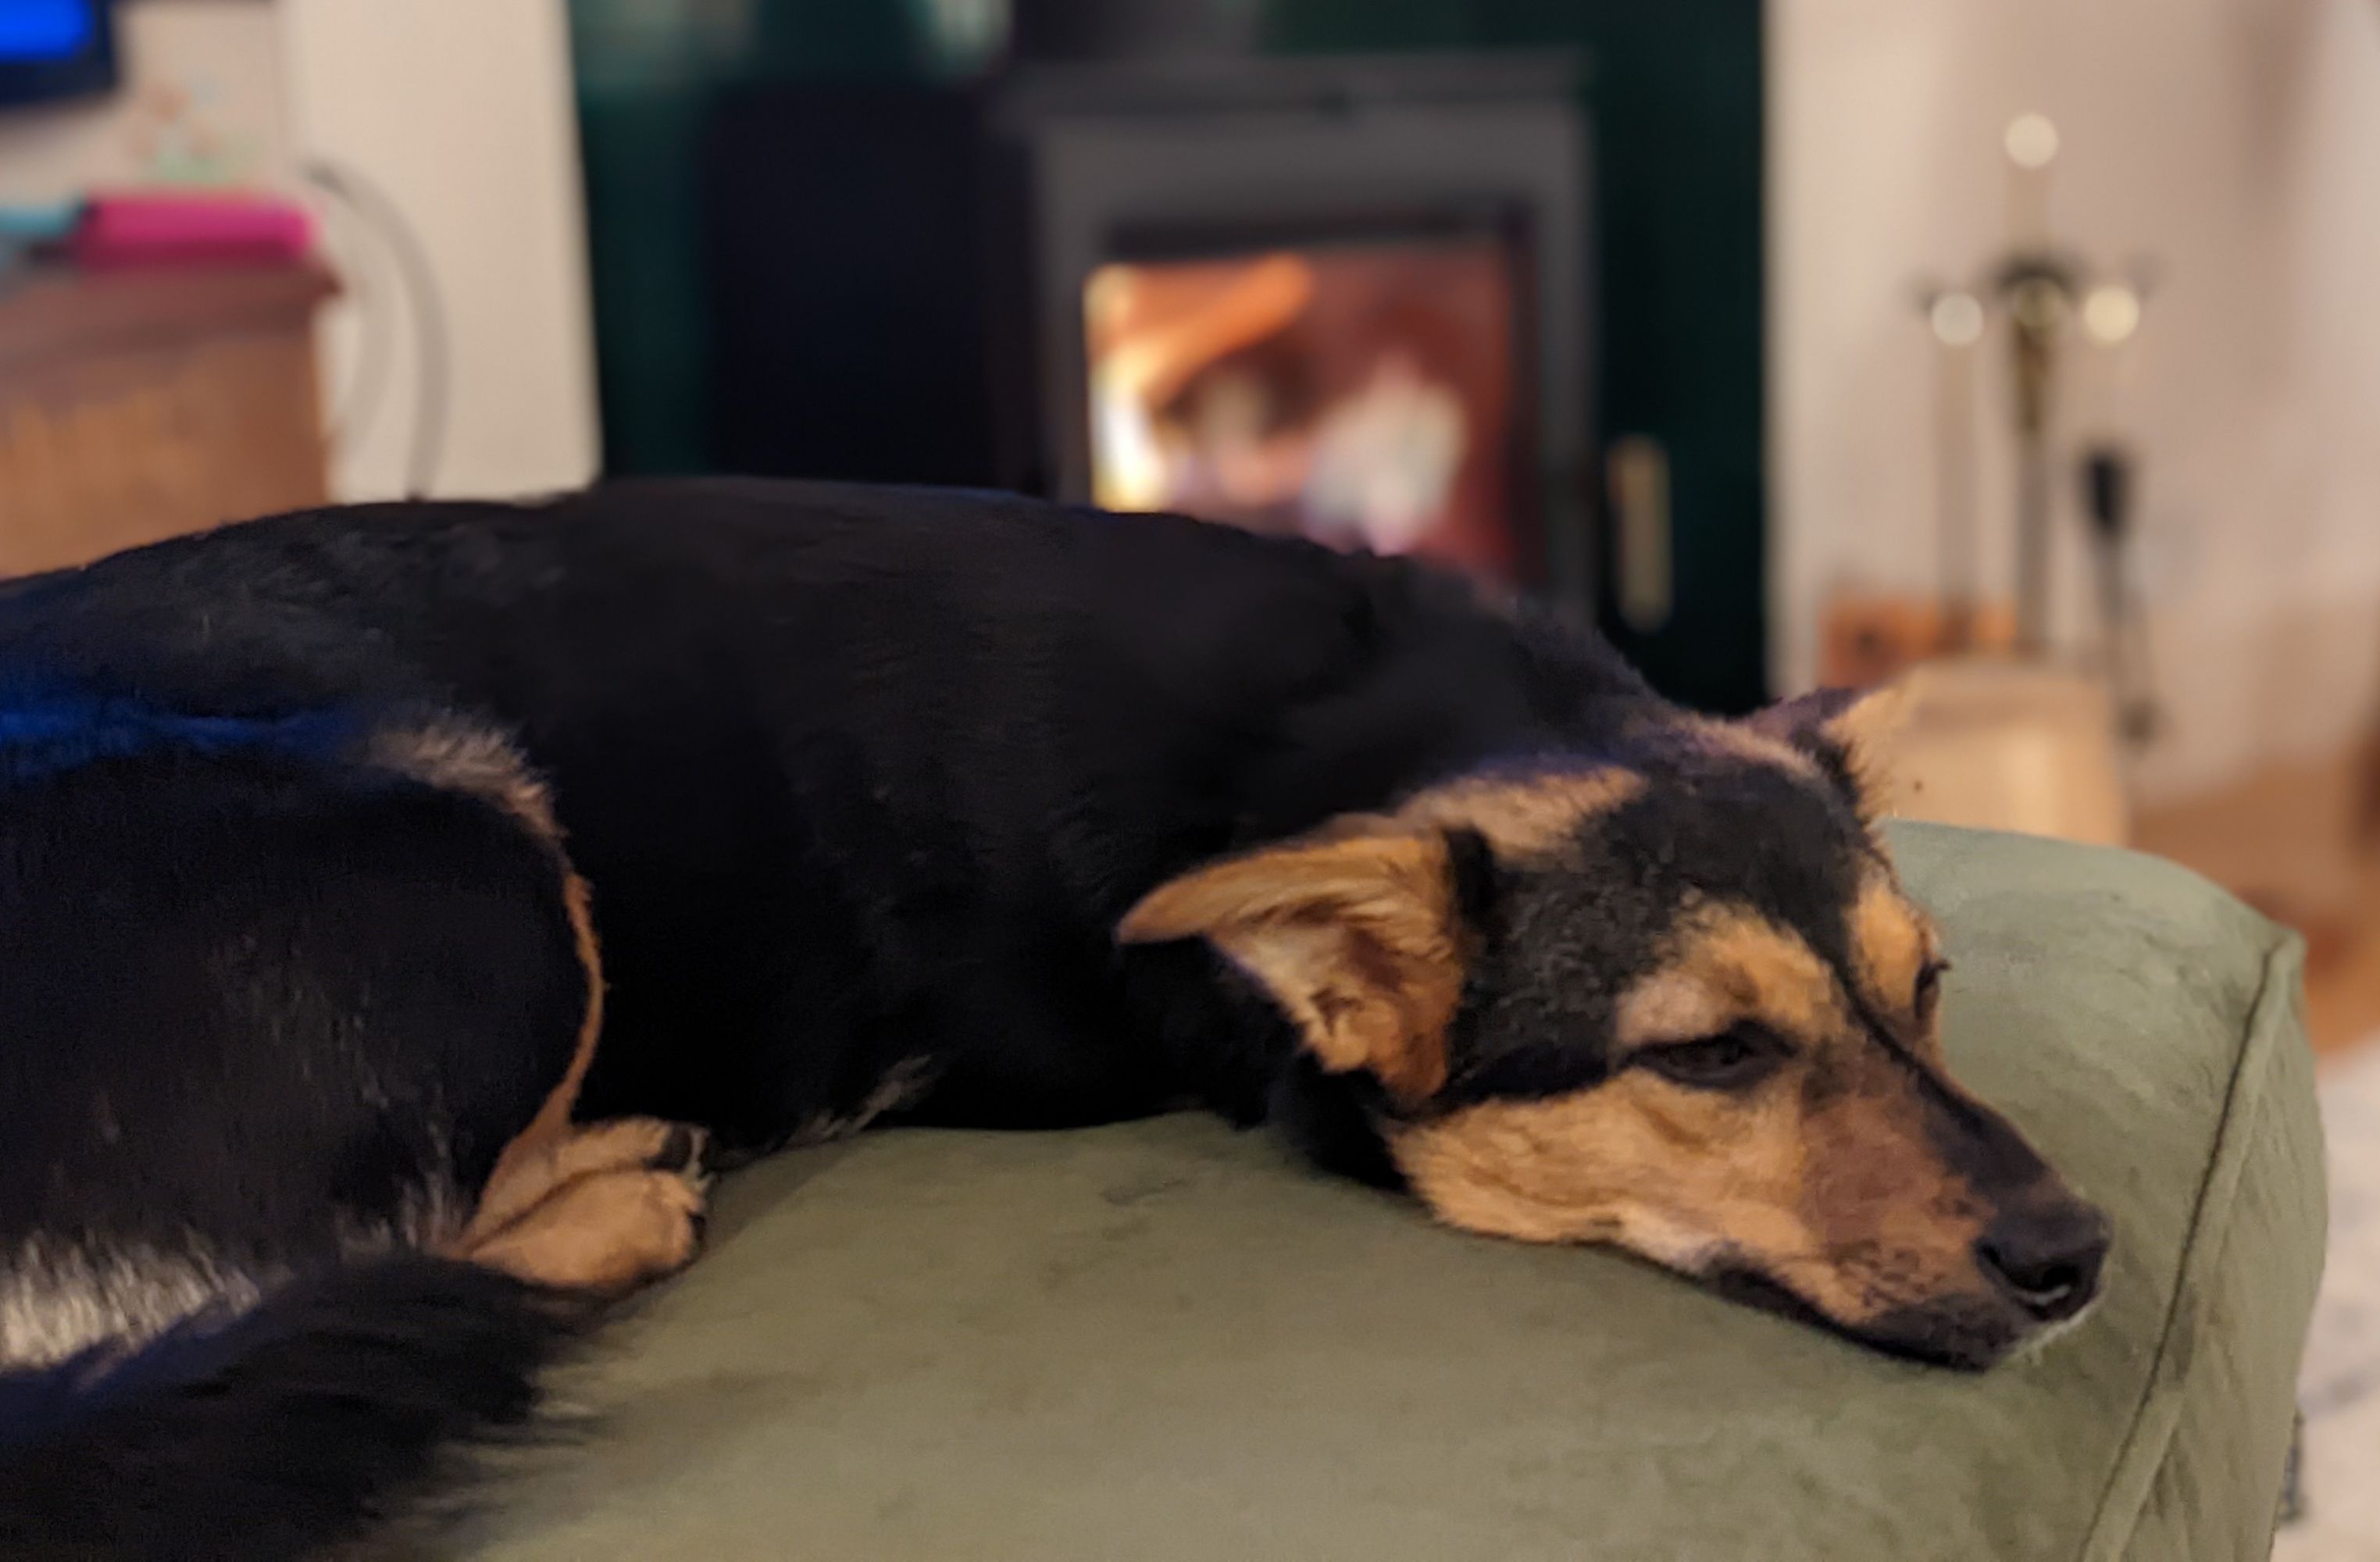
(275,1432)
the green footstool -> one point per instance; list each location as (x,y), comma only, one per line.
(1168,1341)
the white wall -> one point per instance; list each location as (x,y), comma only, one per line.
(2237,141)
(462,112)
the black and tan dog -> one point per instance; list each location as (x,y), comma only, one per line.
(890,805)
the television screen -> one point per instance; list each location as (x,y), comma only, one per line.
(45,29)
(54,48)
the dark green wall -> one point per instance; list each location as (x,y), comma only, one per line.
(1675,99)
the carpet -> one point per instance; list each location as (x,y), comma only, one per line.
(2339,1389)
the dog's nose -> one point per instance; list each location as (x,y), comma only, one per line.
(2047,1255)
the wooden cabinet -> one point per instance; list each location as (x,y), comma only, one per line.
(137,405)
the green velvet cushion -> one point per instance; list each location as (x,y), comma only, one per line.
(1167,1340)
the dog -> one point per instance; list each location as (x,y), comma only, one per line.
(334,841)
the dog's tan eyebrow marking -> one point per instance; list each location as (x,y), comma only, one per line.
(1726,964)
(1523,818)
(1892,943)
(1672,1004)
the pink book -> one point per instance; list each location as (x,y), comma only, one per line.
(188,230)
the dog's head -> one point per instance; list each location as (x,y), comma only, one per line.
(1675,1000)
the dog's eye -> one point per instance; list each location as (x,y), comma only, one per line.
(1733,1059)
(1929,987)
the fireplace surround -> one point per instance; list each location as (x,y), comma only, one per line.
(1342,296)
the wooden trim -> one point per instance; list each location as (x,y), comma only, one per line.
(53,316)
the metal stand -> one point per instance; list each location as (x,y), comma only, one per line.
(2042,292)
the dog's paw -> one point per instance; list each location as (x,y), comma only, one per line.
(607,1230)
(628,1144)
(663,1217)
(531,1169)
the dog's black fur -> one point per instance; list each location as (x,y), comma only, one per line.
(263,1001)
(863,781)
(862,776)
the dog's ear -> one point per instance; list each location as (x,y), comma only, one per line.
(1357,935)
(1850,732)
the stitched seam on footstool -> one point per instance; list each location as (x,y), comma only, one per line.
(2269,1019)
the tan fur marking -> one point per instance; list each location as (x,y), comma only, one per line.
(1355,938)
(608,1231)
(1522,818)
(1864,730)
(531,1169)
(571,1208)
(1672,1004)
(1847,1208)
(1870,772)
(550,1129)
(1677,1175)
(554,1116)
(1724,964)
(1821,1175)
(1870,725)
(1892,943)
(461,757)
